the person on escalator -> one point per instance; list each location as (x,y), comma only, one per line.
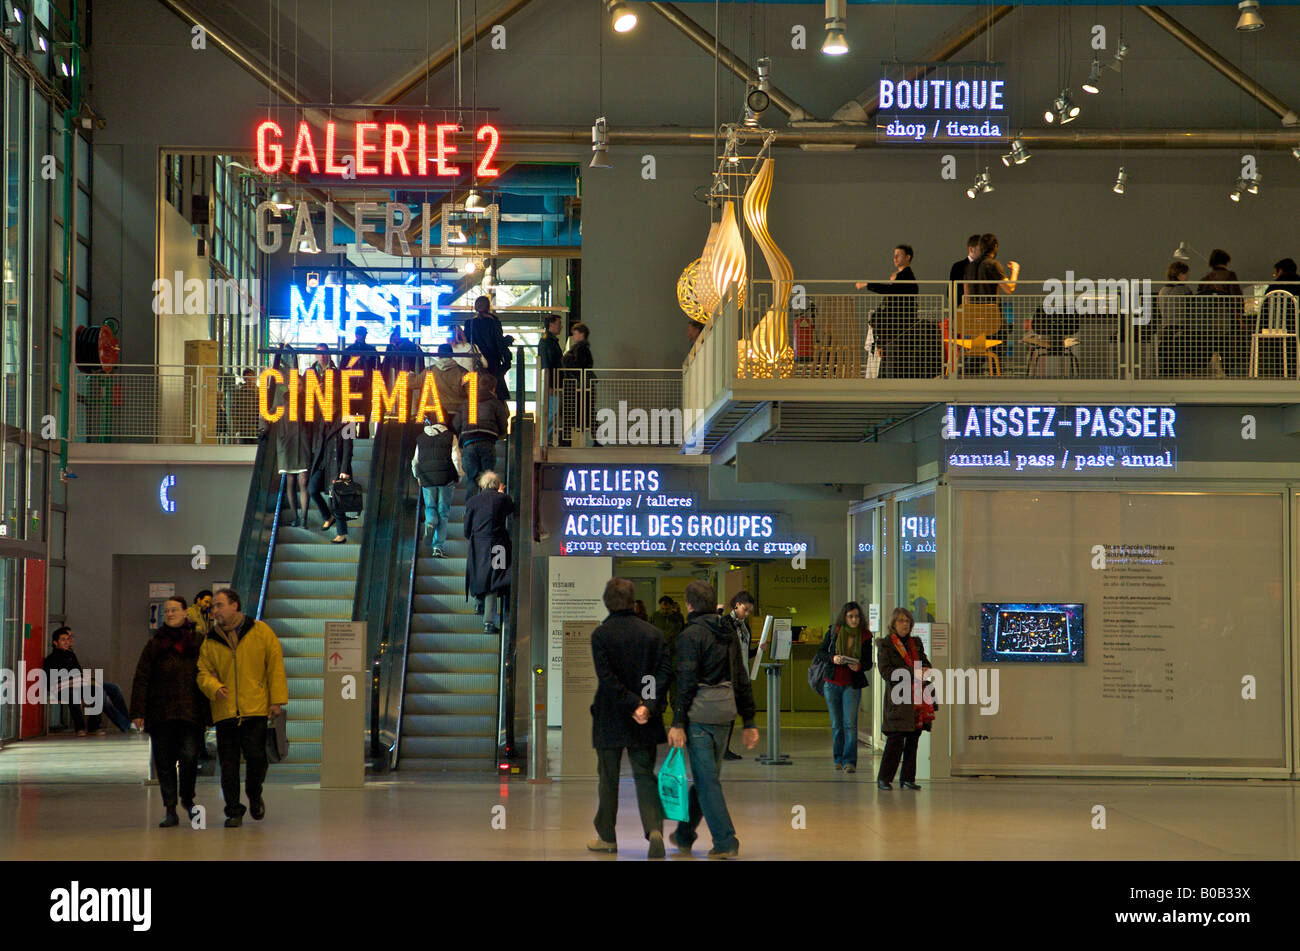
(484,333)
(433,468)
(479,424)
(487,567)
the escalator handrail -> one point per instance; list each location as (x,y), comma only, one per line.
(256,548)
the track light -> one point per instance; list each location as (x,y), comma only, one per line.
(1063,109)
(1237,189)
(1120,180)
(621,15)
(280,202)
(1117,63)
(1181,253)
(1252,184)
(981,185)
(1093,83)
(836,42)
(1250,20)
(600,144)
(1018,154)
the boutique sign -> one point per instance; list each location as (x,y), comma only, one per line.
(640,510)
(1060,439)
(942,103)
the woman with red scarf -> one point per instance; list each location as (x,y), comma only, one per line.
(166,703)
(906,712)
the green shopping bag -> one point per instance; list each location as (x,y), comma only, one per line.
(674,791)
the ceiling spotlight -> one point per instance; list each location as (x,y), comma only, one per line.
(64,67)
(1238,189)
(757,98)
(280,202)
(836,42)
(474,202)
(621,15)
(1063,109)
(980,186)
(42,44)
(13,14)
(457,236)
(1093,83)
(600,144)
(1252,184)
(470,266)
(1184,251)
(1117,63)
(1018,154)
(1250,20)
(1296,152)
(1120,180)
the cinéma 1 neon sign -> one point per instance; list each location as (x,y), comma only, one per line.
(391,149)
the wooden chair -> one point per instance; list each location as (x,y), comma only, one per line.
(974,323)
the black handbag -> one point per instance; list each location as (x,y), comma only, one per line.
(820,669)
(277,737)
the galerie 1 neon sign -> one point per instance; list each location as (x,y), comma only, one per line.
(396,306)
(388,148)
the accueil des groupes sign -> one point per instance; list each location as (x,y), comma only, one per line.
(631,510)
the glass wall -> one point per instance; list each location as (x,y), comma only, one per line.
(916,556)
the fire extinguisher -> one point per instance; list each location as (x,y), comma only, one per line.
(803,336)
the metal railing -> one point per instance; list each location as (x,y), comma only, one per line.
(165,404)
(612,407)
(1095,330)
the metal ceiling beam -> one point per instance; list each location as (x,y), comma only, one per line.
(834,137)
(864,106)
(226,44)
(1221,63)
(706,41)
(394,92)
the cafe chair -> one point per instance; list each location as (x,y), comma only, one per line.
(1053,337)
(1278,319)
(973,325)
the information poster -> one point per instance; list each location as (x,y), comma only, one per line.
(574,590)
(578,757)
(1183,628)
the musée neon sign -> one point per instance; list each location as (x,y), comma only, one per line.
(337,307)
(388,148)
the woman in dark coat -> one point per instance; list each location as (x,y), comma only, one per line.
(292,437)
(487,570)
(903,719)
(167,704)
(848,642)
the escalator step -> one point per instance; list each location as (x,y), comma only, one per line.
(454,746)
(429,682)
(451,643)
(449,726)
(449,703)
(453,664)
(442,623)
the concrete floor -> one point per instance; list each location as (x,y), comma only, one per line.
(67,798)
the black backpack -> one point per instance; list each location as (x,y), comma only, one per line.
(348,496)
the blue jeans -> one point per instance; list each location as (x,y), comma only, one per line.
(477,457)
(437,509)
(115,707)
(843,705)
(705,744)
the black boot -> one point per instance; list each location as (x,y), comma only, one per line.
(169,820)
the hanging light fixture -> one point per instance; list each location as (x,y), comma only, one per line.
(1018,154)
(1117,63)
(1093,83)
(836,42)
(1063,110)
(1296,152)
(470,266)
(1120,180)
(13,15)
(600,144)
(1237,189)
(1250,20)
(457,236)
(981,186)
(1252,184)
(474,202)
(1181,253)
(280,202)
(621,16)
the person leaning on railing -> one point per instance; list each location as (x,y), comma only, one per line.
(576,360)
(897,312)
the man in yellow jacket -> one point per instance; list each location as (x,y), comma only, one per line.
(241,670)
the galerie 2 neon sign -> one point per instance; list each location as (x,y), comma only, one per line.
(388,148)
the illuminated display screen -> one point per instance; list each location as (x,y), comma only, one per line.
(1060,438)
(1028,632)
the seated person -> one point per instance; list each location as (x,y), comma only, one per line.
(62,663)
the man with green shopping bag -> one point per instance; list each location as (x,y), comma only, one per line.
(633,669)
